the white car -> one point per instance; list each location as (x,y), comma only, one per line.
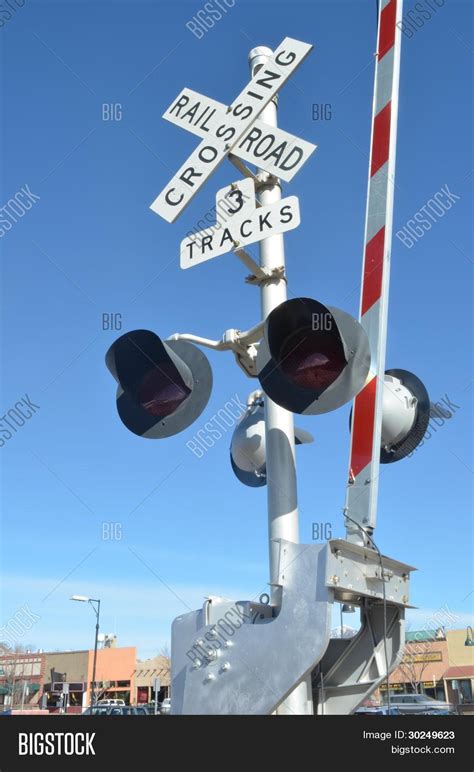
(165,706)
(420,703)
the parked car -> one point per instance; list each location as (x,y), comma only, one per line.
(151,707)
(380,710)
(109,703)
(117,710)
(165,706)
(97,710)
(128,710)
(419,703)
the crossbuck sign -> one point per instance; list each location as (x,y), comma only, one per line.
(278,152)
(227,131)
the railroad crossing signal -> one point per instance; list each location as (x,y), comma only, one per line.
(406,412)
(162,386)
(225,132)
(311,359)
(248,453)
(314,358)
(405,415)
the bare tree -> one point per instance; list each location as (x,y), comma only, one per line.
(166,656)
(412,669)
(13,666)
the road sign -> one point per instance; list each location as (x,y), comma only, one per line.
(278,152)
(239,222)
(59,686)
(224,134)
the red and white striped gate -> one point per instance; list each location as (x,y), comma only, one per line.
(362,489)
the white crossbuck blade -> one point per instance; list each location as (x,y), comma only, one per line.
(225,133)
(238,223)
(278,152)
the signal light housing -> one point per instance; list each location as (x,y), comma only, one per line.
(405,415)
(313,357)
(163,386)
(247,449)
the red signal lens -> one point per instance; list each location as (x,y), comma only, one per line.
(312,359)
(162,391)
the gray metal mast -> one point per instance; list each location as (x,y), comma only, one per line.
(283,520)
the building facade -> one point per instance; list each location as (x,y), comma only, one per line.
(68,680)
(459,677)
(439,664)
(422,668)
(146,675)
(21,679)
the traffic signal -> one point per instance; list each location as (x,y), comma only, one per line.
(163,386)
(405,415)
(313,357)
(247,449)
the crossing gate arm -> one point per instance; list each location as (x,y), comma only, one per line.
(362,488)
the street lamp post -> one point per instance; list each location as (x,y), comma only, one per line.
(96,609)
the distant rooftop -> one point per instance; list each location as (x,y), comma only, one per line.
(426,635)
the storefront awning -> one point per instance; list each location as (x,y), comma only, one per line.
(460,671)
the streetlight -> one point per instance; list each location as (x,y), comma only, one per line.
(96,609)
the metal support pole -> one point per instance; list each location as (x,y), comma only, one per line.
(23,695)
(279,427)
(97,612)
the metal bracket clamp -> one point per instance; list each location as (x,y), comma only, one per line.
(243,169)
(266,180)
(355,571)
(259,273)
(243,344)
(268,277)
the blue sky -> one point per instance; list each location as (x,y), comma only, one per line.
(90,245)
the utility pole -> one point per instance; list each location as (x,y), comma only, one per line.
(283,522)
(96,610)
(94,666)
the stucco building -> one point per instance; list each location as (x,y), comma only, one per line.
(147,671)
(439,664)
(115,676)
